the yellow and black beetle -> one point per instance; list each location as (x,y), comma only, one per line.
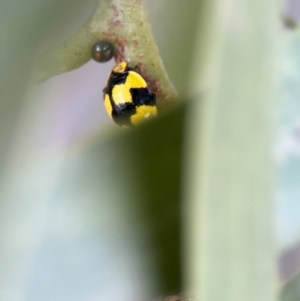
(127,98)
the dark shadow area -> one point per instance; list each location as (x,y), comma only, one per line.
(158,150)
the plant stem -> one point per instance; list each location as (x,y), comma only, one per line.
(125,24)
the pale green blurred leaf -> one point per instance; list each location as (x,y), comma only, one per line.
(229,193)
(291,290)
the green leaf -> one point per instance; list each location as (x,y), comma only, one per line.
(291,289)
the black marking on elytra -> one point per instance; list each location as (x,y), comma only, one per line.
(121,113)
(142,96)
(116,78)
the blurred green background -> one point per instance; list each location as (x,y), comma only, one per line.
(194,201)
